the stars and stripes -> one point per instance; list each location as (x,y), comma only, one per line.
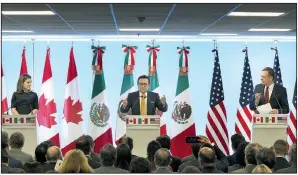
(292,120)
(216,129)
(276,68)
(244,114)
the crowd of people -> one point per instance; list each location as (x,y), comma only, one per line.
(205,158)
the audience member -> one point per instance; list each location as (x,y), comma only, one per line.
(280,148)
(195,147)
(266,156)
(41,152)
(190,169)
(152,147)
(140,165)
(16,143)
(94,156)
(262,168)
(123,157)
(53,155)
(33,167)
(4,164)
(108,158)
(162,161)
(190,157)
(207,160)
(165,142)
(236,139)
(293,161)
(129,141)
(240,157)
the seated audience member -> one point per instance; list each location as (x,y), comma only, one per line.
(16,142)
(152,147)
(49,143)
(165,142)
(129,141)
(195,147)
(188,158)
(262,168)
(292,160)
(32,167)
(41,152)
(280,148)
(140,165)
(12,163)
(207,160)
(94,156)
(266,156)
(123,157)
(240,157)
(162,161)
(250,158)
(191,170)
(75,162)
(4,164)
(53,155)
(108,157)
(84,145)
(236,139)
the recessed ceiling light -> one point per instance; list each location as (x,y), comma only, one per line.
(210,34)
(255,14)
(269,30)
(28,13)
(17,31)
(138,30)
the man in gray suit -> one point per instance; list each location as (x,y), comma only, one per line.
(250,158)
(108,158)
(293,161)
(16,142)
(162,160)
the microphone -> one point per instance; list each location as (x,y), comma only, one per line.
(277,103)
(30,103)
(135,102)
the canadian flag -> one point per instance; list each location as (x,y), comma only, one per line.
(23,63)
(72,121)
(46,125)
(4,105)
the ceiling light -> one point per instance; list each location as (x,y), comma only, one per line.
(268,30)
(213,34)
(28,13)
(138,30)
(255,14)
(17,31)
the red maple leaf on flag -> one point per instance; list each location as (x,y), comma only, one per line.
(44,112)
(71,111)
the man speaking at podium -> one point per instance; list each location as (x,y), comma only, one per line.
(268,92)
(143,102)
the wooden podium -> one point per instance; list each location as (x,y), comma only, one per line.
(267,128)
(142,129)
(24,124)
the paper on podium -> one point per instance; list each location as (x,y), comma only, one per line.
(264,109)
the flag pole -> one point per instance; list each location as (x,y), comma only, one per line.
(33,63)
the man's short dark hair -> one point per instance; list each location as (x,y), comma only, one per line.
(280,147)
(90,139)
(123,157)
(164,141)
(140,165)
(251,152)
(270,71)
(83,144)
(41,152)
(144,76)
(152,147)
(127,140)
(50,143)
(236,139)
(240,153)
(162,157)
(293,154)
(4,156)
(190,169)
(16,140)
(4,140)
(108,155)
(266,156)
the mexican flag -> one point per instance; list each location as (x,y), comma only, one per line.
(46,124)
(23,63)
(4,104)
(154,83)
(72,121)
(99,123)
(182,122)
(127,87)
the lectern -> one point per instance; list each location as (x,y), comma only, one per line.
(142,129)
(267,128)
(24,124)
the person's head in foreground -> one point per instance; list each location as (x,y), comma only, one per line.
(262,168)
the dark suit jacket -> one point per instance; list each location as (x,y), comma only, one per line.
(20,155)
(291,169)
(162,170)
(279,95)
(210,170)
(280,163)
(14,163)
(187,158)
(193,162)
(232,159)
(153,102)
(109,169)
(248,169)
(48,166)
(95,157)
(176,162)
(234,168)
(7,169)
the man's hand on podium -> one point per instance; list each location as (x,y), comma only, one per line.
(124,103)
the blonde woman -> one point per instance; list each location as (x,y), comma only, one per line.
(262,169)
(75,162)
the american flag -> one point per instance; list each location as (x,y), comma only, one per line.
(292,121)
(244,114)
(216,129)
(276,68)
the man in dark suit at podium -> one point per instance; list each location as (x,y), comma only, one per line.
(143,102)
(269,92)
